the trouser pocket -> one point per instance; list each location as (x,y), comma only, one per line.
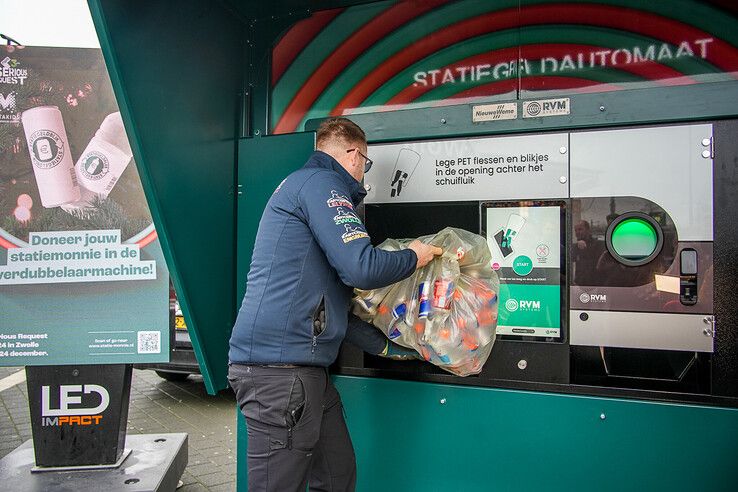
(273,396)
(295,403)
(282,406)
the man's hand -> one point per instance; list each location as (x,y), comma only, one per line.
(424,252)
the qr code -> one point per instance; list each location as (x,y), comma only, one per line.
(149,342)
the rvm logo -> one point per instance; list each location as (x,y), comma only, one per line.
(554,105)
(530,304)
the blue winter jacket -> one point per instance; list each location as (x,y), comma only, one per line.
(311,251)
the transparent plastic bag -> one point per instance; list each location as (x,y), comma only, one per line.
(447,310)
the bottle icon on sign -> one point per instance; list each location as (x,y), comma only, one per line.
(405,164)
(505,237)
(94,166)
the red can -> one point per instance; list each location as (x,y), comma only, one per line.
(443,293)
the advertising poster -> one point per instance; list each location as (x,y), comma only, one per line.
(525,243)
(82,275)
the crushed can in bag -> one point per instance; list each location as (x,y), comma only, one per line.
(424,299)
(442,292)
(398,316)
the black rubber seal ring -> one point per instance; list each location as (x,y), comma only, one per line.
(646,218)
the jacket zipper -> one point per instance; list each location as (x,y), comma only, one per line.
(316,319)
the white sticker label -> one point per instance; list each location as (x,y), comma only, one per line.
(494,112)
(548,107)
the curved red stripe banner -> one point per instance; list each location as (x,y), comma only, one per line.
(603,16)
(296,39)
(149,238)
(715,51)
(331,67)
(6,244)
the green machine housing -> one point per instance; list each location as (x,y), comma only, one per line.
(635,105)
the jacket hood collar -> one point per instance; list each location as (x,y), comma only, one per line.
(322,160)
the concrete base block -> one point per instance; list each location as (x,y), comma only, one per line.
(156,463)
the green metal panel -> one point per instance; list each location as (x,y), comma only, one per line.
(420,436)
(263,162)
(242,440)
(177,80)
(268,10)
(487,439)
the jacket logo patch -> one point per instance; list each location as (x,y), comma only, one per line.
(337,200)
(345,217)
(352,233)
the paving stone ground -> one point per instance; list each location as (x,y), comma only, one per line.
(156,406)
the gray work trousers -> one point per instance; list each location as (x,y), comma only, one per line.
(297,435)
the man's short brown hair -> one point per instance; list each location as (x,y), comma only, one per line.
(336,131)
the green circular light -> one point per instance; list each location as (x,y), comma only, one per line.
(634,239)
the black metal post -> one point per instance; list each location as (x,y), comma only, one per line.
(78,413)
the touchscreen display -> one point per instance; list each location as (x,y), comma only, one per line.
(525,242)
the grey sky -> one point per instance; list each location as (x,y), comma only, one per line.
(48,23)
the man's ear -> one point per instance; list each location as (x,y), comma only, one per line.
(354,158)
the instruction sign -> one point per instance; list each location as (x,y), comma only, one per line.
(497,168)
(525,242)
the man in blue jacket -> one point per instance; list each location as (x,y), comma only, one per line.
(311,251)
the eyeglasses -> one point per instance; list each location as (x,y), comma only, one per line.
(367,164)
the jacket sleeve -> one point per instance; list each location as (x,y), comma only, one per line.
(365,336)
(325,201)
(371,340)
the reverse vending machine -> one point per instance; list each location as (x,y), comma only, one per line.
(593,145)
(605,278)
(604,242)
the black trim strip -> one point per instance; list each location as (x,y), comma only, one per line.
(568,389)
